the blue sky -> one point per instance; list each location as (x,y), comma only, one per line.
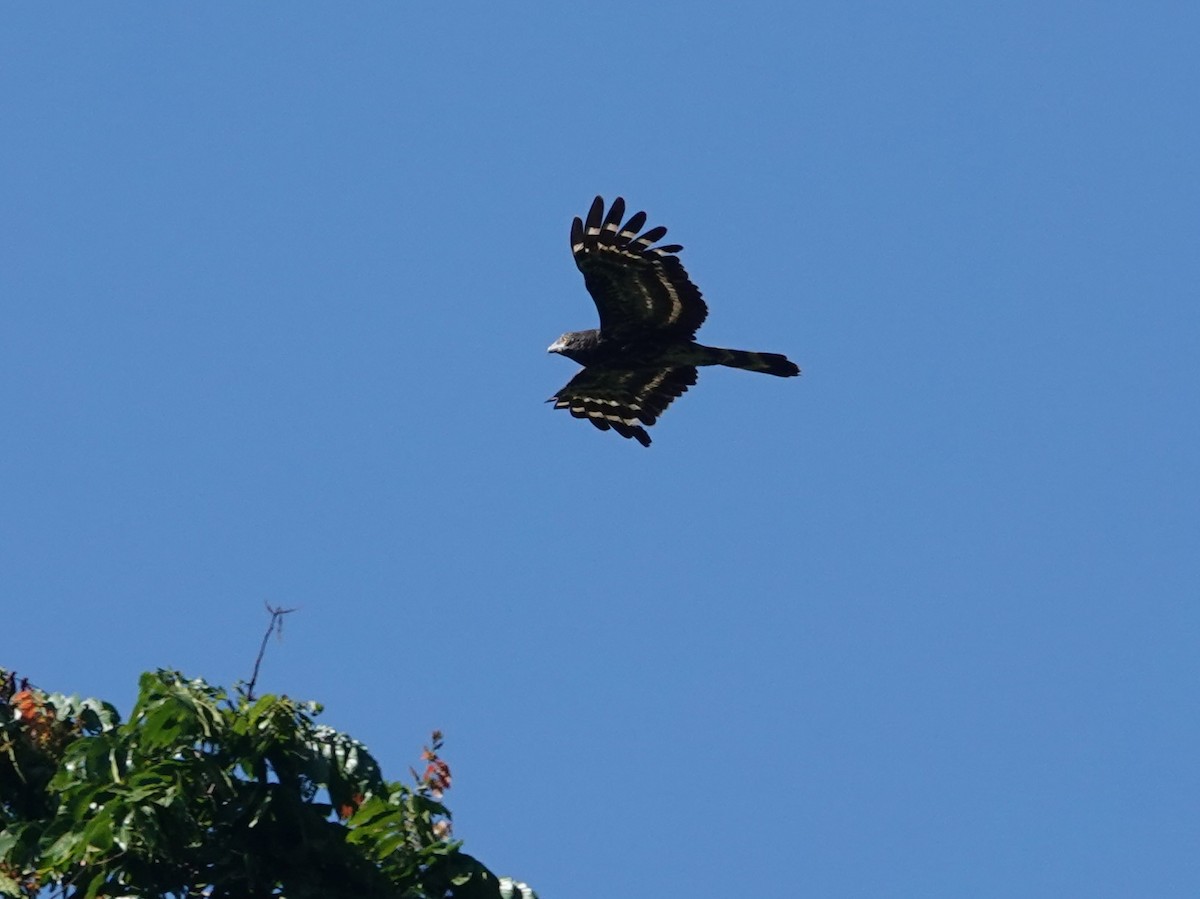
(278,282)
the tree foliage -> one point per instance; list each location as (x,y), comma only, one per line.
(204,794)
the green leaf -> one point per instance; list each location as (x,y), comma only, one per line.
(98,834)
(64,848)
(94,887)
(8,886)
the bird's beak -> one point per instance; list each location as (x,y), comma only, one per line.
(555,347)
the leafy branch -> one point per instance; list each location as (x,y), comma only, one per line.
(201,793)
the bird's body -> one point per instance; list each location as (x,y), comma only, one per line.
(590,348)
(644,353)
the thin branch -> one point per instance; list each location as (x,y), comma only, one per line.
(276,625)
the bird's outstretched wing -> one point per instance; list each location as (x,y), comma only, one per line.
(640,290)
(624,399)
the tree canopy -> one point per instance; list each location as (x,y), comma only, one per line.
(203,793)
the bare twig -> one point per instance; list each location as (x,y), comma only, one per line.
(276,625)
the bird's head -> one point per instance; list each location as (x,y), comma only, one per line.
(581,346)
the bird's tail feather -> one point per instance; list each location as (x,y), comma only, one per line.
(772,363)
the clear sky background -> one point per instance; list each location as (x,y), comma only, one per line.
(277,282)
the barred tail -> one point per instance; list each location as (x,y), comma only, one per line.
(772,363)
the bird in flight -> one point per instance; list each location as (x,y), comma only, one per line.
(644,353)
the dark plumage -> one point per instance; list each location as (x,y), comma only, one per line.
(644,354)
